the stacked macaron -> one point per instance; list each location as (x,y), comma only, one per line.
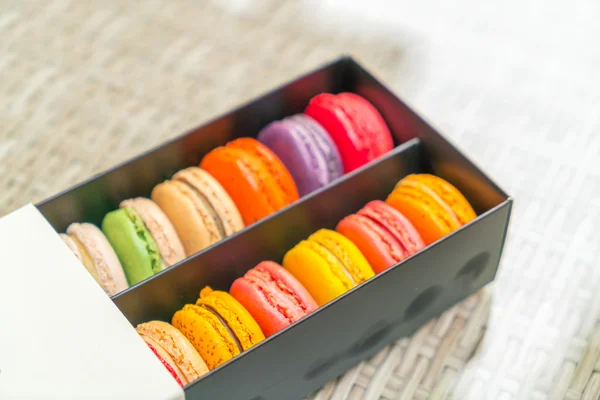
(270,297)
(236,185)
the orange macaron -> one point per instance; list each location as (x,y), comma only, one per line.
(254,177)
(433,205)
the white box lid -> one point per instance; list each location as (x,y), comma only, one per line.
(60,335)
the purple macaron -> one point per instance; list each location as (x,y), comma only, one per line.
(306,150)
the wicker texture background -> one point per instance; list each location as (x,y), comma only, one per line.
(87,84)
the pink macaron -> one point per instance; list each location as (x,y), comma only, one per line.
(356,127)
(272,296)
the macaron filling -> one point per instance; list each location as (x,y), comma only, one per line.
(166,356)
(340,254)
(208,205)
(143,233)
(338,267)
(160,228)
(346,271)
(176,347)
(166,364)
(224,207)
(225,324)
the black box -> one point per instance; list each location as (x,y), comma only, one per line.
(321,346)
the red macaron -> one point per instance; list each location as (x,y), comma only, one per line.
(272,296)
(356,127)
(382,234)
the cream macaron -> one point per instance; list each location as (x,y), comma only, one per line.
(200,209)
(90,246)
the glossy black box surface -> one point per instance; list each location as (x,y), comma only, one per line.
(323,345)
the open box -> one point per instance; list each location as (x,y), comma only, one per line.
(323,345)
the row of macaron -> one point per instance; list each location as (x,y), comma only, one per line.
(234,186)
(269,297)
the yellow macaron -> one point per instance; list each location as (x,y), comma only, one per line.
(328,265)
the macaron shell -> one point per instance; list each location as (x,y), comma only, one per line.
(82,255)
(161,229)
(298,155)
(351,146)
(216,195)
(178,347)
(355,126)
(273,297)
(288,284)
(431,221)
(315,273)
(192,220)
(449,194)
(430,195)
(379,247)
(324,143)
(276,168)
(264,311)
(248,182)
(110,272)
(396,223)
(137,250)
(240,321)
(206,333)
(382,233)
(369,122)
(345,251)
(306,150)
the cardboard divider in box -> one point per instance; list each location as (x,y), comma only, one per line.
(324,344)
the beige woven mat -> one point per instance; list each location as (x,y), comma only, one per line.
(87,84)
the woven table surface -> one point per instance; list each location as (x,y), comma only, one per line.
(515,84)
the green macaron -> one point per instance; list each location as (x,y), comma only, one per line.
(136,248)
